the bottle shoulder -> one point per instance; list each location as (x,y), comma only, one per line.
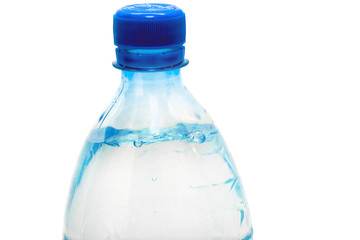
(154,108)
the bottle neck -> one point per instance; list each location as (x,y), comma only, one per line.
(146,60)
(141,82)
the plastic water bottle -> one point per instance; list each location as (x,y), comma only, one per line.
(155,167)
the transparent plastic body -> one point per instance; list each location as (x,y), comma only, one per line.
(156,168)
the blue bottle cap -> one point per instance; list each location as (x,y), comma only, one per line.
(151,25)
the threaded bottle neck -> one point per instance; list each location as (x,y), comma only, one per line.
(150,59)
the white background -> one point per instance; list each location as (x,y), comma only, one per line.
(280,78)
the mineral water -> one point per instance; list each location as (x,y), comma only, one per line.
(155,167)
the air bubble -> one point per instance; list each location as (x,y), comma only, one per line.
(197,137)
(138,143)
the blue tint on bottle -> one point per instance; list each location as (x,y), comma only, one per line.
(155,166)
